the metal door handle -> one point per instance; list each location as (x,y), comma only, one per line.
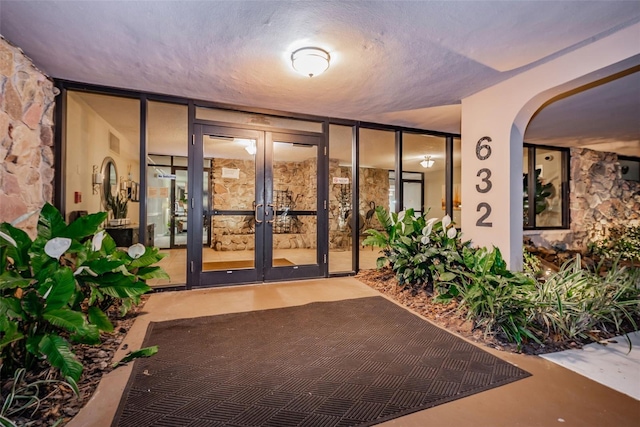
(255,213)
(273,211)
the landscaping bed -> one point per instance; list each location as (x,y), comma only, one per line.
(58,403)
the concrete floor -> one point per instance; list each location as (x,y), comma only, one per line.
(552,396)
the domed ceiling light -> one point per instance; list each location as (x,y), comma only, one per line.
(310,61)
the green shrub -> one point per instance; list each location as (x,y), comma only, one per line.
(58,287)
(575,303)
(623,242)
(495,298)
(420,251)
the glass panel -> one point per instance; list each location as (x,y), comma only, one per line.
(548,188)
(240,117)
(295,201)
(377,158)
(525,187)
(412,192)
(157,160)
(340,180)
(232,245)
(101,127)
(180,161)
(425,154)
(457,181)
(180,207)
(167,131)
(232,183)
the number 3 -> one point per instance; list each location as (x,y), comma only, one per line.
(485,180)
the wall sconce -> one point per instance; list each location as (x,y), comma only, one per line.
(96,179)
(310,61)
(427,162)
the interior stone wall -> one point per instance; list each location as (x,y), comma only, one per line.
(231,233)
(599,200)
(27,101)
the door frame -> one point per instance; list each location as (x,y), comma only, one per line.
(262,271)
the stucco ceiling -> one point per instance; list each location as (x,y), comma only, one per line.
(403,63)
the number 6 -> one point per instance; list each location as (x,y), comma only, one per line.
(480,146)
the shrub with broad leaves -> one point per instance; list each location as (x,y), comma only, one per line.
(59,287)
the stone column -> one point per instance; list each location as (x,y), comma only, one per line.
(26,137)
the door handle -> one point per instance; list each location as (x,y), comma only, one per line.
(273,213)
(255,213)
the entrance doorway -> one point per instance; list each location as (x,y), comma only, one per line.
(260,205)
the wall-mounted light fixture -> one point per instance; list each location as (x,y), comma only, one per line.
(427,162)
(310,61)
(96,179)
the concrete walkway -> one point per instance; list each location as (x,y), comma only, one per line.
(553,395)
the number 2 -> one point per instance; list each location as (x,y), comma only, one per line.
(481,221)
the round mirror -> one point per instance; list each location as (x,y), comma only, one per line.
(109,180)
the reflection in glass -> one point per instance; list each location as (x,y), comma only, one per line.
(457,182)
(295,173)
(340,198)
(167,136)
(548,188)
(377,158)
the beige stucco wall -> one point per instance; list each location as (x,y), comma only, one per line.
(26,137)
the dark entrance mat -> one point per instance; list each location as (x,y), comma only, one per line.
(356,362)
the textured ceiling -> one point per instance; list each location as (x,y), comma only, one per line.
(403,63)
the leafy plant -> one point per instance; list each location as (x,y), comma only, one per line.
(494,297)
(26,397)
(576,302)
(622,242)
(542,192)
(57,288)
(118,205)
(143,352)
(418,250)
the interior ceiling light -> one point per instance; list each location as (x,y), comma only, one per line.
(427,162)
(310,61)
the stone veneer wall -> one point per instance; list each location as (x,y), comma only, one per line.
(599,200)
(231,233)
(26,137)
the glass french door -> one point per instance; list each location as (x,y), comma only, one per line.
(259,206)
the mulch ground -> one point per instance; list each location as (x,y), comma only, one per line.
(450,316)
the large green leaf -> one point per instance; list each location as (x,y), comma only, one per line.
(100,319)
(11,280)
(143,352)
(104,265)
(85,226)
(126,287)
(87,334)
(62,288)
(10,307)
(72,321)
(33,344)
(108,245)
(20,254)
(146,273)
(51,223)
(9,332)
(59,355)
(150,256)
(32,303)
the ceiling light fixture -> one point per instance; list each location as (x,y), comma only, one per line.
(427,162)
(310,61)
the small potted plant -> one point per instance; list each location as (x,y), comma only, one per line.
(118,206)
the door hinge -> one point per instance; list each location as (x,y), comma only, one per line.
(325,150)
(325,205)
(192,266)
(192,202)
(193,139)
(324,258)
